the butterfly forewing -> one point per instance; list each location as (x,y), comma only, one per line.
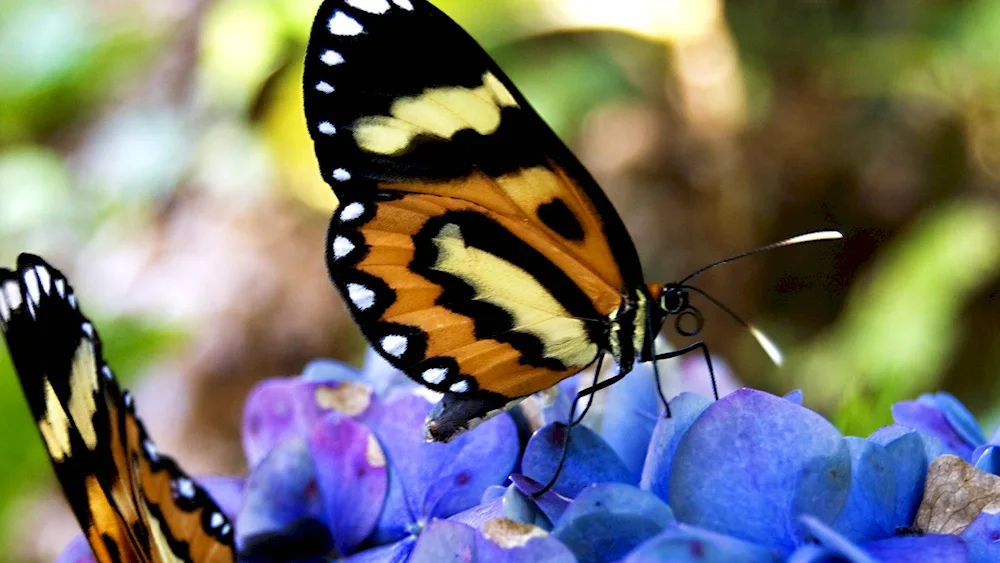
(472,248)
(132,503)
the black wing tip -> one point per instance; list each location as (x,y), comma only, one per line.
(34,286)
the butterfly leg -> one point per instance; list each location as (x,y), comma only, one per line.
(572,421)
(691,348)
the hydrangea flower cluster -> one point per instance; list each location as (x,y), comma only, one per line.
(341,472)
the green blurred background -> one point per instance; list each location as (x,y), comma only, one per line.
(157,153)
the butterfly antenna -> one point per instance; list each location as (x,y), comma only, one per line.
(768,345)
(808,237)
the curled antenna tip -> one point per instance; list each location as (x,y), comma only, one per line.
(812,237)
(768,345)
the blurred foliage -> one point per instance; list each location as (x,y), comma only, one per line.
(156,151)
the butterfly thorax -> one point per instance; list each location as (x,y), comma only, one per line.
(630,337)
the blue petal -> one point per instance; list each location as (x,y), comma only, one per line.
(605,522)
(684,410)
(939,436)
(589,459)
(77,551)
(835,542)
(398,552)
(551,504)
(959,416)
(630,413)
(520,507)
(555,408)
(813,553)
(434,479)
(908,460)
(751,462)
(983,538)
(987,458)
(871,502)
(795,397)
(680,543)
(493,492)
(351,474)
(928,548)
(282,509)
(323,370)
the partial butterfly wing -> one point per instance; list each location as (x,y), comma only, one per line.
(472,248)
(134,504)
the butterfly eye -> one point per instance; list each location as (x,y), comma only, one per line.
(674,299)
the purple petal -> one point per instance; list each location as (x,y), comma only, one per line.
(77,551)
(278,408)
(630,413)
(351,473)
(940,437)
(688,544)
(871,502)
(983,538)
(398,552)
(909,462)
(551,504)
(493,492)
(928,548)
(958,416)
(589,460)
(987,458)
(483,513)
(605,522)
(684,408)
(226,491)
(443,540)
(283,508)
(751,462)
(434,479)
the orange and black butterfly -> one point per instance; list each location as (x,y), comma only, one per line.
(133,503)
(473,249)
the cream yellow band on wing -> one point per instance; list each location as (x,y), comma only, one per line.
(532,307)
(439,112)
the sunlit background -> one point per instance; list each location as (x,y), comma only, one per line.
(157,153)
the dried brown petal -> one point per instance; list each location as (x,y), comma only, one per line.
(509,534)
(954,494)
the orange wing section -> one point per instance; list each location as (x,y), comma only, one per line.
(520,195)
(391,238)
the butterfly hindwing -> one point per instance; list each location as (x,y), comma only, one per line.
(132,503)
(473,249)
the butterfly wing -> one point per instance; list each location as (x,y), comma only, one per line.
(474,251)
(133,504)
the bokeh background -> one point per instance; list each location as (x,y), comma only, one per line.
(157,153)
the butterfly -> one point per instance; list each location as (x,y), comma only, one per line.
(133,503)
(474,251)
